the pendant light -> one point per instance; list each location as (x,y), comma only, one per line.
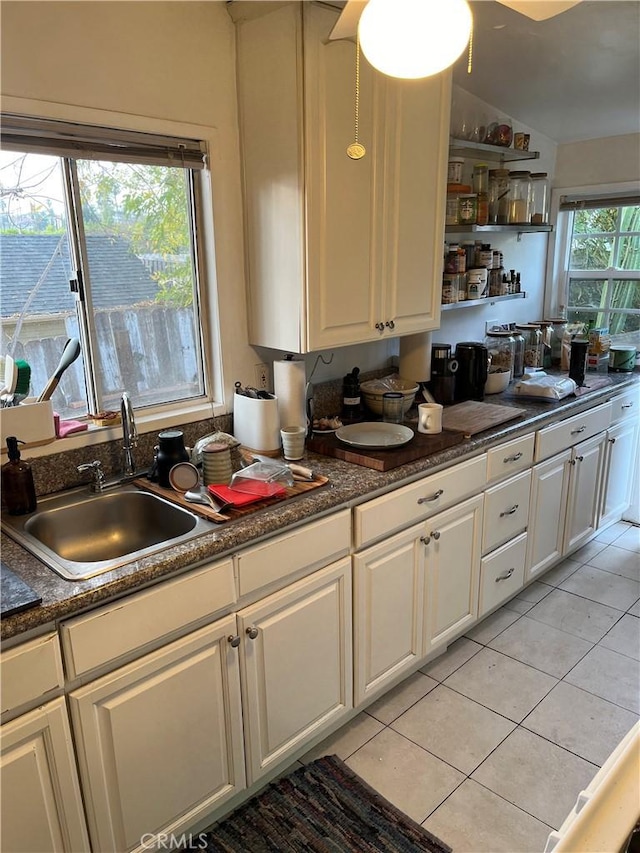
(414,38)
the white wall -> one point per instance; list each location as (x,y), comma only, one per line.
(612,160)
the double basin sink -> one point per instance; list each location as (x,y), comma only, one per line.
(80,534)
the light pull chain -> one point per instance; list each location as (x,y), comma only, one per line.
(470,57)
(357,150)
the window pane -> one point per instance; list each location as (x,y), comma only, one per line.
(625,329)
(38,308)
(138,237)
(588,293)
(595,221)
(630,218)
(591,253)
(625,294)
(629,252)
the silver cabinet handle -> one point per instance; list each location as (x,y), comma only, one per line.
(579,430)
(511,511)
(234,641)
(626,406)
(513,458)
(252,632)
(505,575)
(434,497)
(435,534)
(425,540)
(390,324)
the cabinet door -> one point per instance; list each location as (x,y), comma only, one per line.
(160,740)
(620,454)
(584,492)
(548,507)
(388,610)
(40,795)
(296,665)
(452,566)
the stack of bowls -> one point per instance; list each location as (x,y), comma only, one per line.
(216,464)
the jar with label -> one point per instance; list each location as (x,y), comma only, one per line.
(467,208)
(455,259)
(452,210)
(498,193)
(533,349)
(484,257)
(519,198)
(481,189)
(470,251)
(540,192)
(450,288)
(477,284)
(501,347)
(497,287)
(454,171)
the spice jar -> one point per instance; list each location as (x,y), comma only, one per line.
(481,188)
(467,208)
(501,347)
(519,198)
(452,211)
(539,198)
(533,350)
(498,193)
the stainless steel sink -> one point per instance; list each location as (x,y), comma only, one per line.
(80,534)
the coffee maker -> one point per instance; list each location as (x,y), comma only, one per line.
(443,374)
(473,361)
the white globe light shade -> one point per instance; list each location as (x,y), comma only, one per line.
(414,38)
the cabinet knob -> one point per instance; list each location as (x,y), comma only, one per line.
(380,327)
(390,324)
(234,641)
(511,511)
(579,458)
(579,430)
(252,632)
(425,540)
(513,458)
(435,534)
(434,497)
(505,575)
(612,441)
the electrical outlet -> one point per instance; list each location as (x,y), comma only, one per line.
(489,324)
(261,377)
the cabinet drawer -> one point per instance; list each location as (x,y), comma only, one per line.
(132,624)
(378,518)
(510,457)
(30,671)
(502,574)
(625,405)
(310,547)
(558,437)
(506,509)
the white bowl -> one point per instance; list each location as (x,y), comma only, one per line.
(373,389)
(497,382)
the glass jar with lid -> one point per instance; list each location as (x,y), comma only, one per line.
(518,357)
(540,192)
(501,347)
(519,198)
(533,348)
(481,189)
(558,328)
(546,330)
(498,196)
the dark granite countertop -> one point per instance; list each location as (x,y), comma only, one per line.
(349,484)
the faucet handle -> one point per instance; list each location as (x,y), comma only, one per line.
(97,474)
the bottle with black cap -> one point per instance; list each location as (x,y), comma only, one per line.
(18,490)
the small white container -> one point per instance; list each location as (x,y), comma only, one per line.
(256,423)
(31,423)
(454,170)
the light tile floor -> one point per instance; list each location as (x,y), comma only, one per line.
(489,745)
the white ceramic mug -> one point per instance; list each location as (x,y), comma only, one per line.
(430,418)
(293,442)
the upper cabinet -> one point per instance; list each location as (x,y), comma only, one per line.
(339,251)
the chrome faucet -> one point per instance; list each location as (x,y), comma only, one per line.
(129,436)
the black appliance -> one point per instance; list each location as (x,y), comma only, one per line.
(443,374)
(472,358)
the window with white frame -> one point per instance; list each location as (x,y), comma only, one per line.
(601,280)
(99,241)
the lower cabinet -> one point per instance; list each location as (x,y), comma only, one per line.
(618,470)
(583,494)
(413,592)
(296,658)
(160,740)
(502,574)
(40,795)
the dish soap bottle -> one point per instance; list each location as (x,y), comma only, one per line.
(351,403)
(18,490)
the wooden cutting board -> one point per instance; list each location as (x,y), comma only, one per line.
(472,417)
(421,445)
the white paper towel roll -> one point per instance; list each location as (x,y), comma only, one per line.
(415,357)
(289,385)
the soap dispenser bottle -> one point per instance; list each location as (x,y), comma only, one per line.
(18,490)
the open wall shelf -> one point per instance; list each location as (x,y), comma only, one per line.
(486,300)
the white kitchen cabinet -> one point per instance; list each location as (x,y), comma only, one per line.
(296,661)
(621,450)
(547,513)
(388,596)
(40,795)
(160,740)
(502,574)
(452,543)
(339,251)
(583,495)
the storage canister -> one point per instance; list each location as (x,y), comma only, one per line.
(501,347)
(498,196)
(467,208)
(452,211)
(539,198)
(533,350)
(518,357)
(481,188)
(519,198)
(558,328)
